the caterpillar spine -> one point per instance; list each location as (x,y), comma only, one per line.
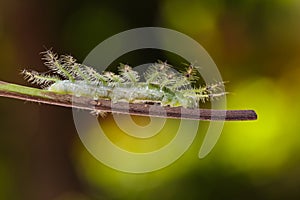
(162,85)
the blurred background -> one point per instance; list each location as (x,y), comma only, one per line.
(256,46)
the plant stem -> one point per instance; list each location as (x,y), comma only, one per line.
(43,96)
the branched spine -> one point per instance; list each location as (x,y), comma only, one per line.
(95,77)
(113,79)
(191,73)
(210,91)
(52,62)
(128,74)
(162,83)
(39,79)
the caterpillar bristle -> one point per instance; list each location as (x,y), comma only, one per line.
(210,92)
(53,62)
(162,83)
(162,66)
(39,79)
(67,60)
(191,72)
(113,79)
(98,113)
(160,73)
(152,74)
(96,78)
(128,74)
(77,70)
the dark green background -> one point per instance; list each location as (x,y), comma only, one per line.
(256,46)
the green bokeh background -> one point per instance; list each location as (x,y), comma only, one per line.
(256,46)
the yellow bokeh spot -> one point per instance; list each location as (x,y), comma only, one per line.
(262,144)
(135,144)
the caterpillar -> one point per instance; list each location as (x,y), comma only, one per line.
(161,84)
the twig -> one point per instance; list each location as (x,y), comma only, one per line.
(43,96)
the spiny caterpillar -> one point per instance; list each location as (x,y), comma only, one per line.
(161,84)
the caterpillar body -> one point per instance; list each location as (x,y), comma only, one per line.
(161,85)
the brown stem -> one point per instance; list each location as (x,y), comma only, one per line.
(85,103)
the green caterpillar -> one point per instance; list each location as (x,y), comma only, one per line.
(161,84)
